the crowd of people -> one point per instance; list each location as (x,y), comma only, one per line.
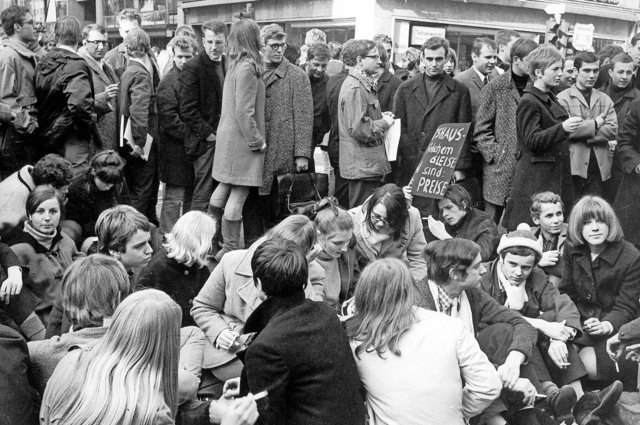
(485,306)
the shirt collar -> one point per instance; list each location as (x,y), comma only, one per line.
(446,301)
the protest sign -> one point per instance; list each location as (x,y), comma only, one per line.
(436,168)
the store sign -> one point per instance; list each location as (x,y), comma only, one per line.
(583,36)
(421,34)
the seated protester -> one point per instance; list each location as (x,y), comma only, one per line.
(463,221)
(601,276)
(92,289)
(179,268)
(229,297)
(134,366)
(515,282)
(551,231)
(51,170)
(17,400)
(334,229)
(17,304)
(300,353)
(100,188)
(398,346)
(386,226)
(42,248)
(123,234)
(453,287)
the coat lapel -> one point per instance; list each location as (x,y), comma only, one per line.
(446,87)
(279,72)
(420,92)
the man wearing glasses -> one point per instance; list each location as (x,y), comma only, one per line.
(362,126)
(289,127)
(17,90)
(105,84)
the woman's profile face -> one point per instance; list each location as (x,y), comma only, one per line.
(595,232)
(450,212)
(336,243)
(101,185)
(46,217)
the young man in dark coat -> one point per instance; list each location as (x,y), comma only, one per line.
(64,89)
(300,353)
(201,84)
(317,60)
(137,98)
(175,169)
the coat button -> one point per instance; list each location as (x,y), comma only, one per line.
(591,312)
(186,272)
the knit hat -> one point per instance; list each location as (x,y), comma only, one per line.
(522,236)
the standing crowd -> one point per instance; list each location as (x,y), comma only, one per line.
(483,307)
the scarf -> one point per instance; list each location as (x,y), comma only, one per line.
(516,295)
(461,308)
(43,239)
(370,80)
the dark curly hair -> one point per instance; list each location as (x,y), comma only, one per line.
(54,170)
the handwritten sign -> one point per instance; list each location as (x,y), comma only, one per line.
(436,168)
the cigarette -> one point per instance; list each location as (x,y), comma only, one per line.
(261,394)
(617,368)
(565,364)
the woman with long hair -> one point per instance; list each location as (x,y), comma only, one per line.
(129,377)
(417,366)
(100,188)
(179,268)
(386,226)
(240,145)
(602,278)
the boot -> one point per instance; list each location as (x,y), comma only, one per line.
(561,402)
(216,213)
(230,236)
(598,407)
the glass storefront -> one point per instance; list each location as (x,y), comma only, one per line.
(153,12)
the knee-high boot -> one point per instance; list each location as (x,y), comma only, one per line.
(230,236)
(216,213)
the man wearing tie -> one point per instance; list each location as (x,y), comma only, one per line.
(484,54)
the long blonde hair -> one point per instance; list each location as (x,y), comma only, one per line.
(190,238)
(384,300)
(132,371)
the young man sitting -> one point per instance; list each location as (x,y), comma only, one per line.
(551,232)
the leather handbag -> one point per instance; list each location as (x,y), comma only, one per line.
(297,194)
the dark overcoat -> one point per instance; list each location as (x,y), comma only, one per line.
(173,166)
(420,117)
(387,86)
(496,137)
(103,76)
(542,155)
(627,203)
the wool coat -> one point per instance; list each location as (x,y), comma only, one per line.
(173,166)
(586,137)
(496,137)
(627,203)
(200,102)
(474,83)
(137,98)
(479,227)
(542,156)
(301,355)
(238,159)
(386,88)
(621,105)
(288,121)
(334,85)
(102,76)
(420,117)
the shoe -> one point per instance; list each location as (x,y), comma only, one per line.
(598,407)
(561,402)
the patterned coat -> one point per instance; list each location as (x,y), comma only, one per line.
(105,108)
(496,137)
(288,121)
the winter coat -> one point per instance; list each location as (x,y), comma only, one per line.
(420,117)
(14,191)
(542,156)
(627,203)
(102,76)
(200,102)
(64,87)
(622,105)
(477,226)
(474,83)
(301,355)
(386,89)
(496,137)
(118,59)
(362,130)
(238,159)
(173,166)
(288,121)
(334,85)
(586,137)
(321,120)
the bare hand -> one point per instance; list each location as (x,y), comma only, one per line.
(226,339)
(313,252)
(243,411)
(571,124)
(509,373)
(613,344)
(218,408)
(211,138)
(111,91)
(302,163)
(600,120)
(633,353)
(137,151)
(525,386)
(437,228)
(458,176)
(388,119)
(557,330)
(612,145)
(407,195)
(12,284)
(559,353)
(593,326)
(549,258)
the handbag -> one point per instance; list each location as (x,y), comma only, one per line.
(297,194)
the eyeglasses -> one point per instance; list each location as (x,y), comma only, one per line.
(375,217)
(98,42)
(277,46)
